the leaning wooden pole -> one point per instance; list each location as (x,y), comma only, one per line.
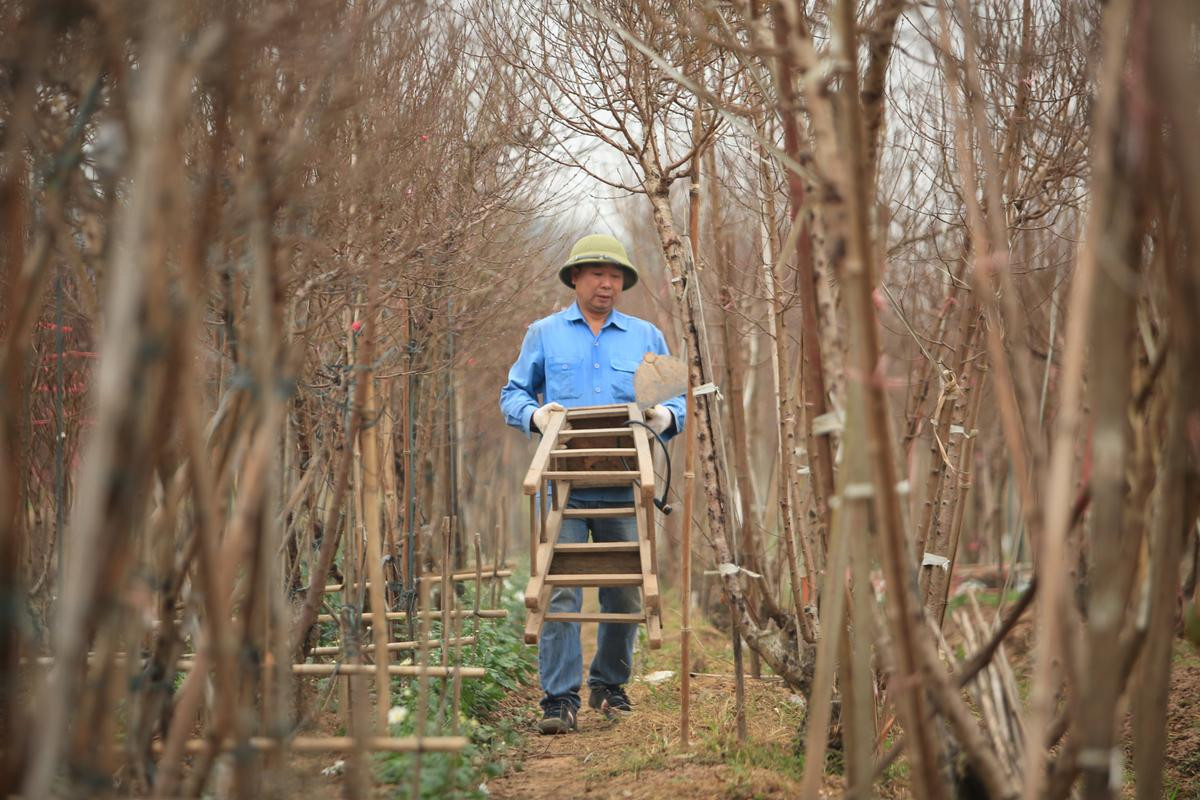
(372,518)
(685,579)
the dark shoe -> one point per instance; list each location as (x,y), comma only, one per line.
(609,698)
(557,717)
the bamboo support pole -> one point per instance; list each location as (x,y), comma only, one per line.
(499,554)
(372,517)
(447,589)
(369,616)
(370,669)
(422,684)
(463,576)
(685,581)
(395,646)
(332,744)
(478,591)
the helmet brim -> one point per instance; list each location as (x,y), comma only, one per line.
(631,274)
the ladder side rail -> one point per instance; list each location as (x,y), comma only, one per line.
(650,596)
(533,535)
(541,456)
(543,503)
(534,617)
(545,549)
(645,461)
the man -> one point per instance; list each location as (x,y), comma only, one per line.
(586,355)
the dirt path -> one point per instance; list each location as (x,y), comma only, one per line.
(638,755)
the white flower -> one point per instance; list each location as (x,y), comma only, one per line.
(397,714)
(337,768)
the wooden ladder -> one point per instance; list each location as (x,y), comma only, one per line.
(591,446)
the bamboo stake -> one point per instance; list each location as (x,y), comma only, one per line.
(395,646)
(457,577)
(334,744)
(368,616)
(200,664)
(447,597)
(372,515)
(685,581)
(422,685)
(698,147)
(499,554)
(478,590)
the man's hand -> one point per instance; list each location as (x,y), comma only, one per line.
(541,417)
(659,418)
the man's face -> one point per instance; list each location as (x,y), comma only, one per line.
(598,287)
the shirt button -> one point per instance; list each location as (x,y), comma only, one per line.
(596,365)
(597,390)
(596,343)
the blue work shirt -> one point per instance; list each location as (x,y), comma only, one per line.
(564,362)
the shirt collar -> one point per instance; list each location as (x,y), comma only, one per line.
(615,317)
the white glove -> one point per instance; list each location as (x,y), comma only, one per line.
(541,417)
(659,418)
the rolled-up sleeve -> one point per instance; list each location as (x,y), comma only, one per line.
(677,404)
(526,379)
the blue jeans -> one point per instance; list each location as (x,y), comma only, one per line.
(560,656)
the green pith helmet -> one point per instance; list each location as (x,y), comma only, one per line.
(599,248)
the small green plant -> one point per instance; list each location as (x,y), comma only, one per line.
(501,651)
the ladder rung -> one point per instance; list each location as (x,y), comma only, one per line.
(621,511)
(598,547)
(601,579)
(585,475)
(607,407)
(599,412)
(576,433)
(585,616)
(595,451)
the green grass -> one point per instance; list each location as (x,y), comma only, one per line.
(753,755)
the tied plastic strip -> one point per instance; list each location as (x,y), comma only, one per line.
(934,560)
(729,568)
(829,422)
(858,491)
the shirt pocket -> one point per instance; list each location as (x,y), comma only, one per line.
(562,379)
(622,379)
